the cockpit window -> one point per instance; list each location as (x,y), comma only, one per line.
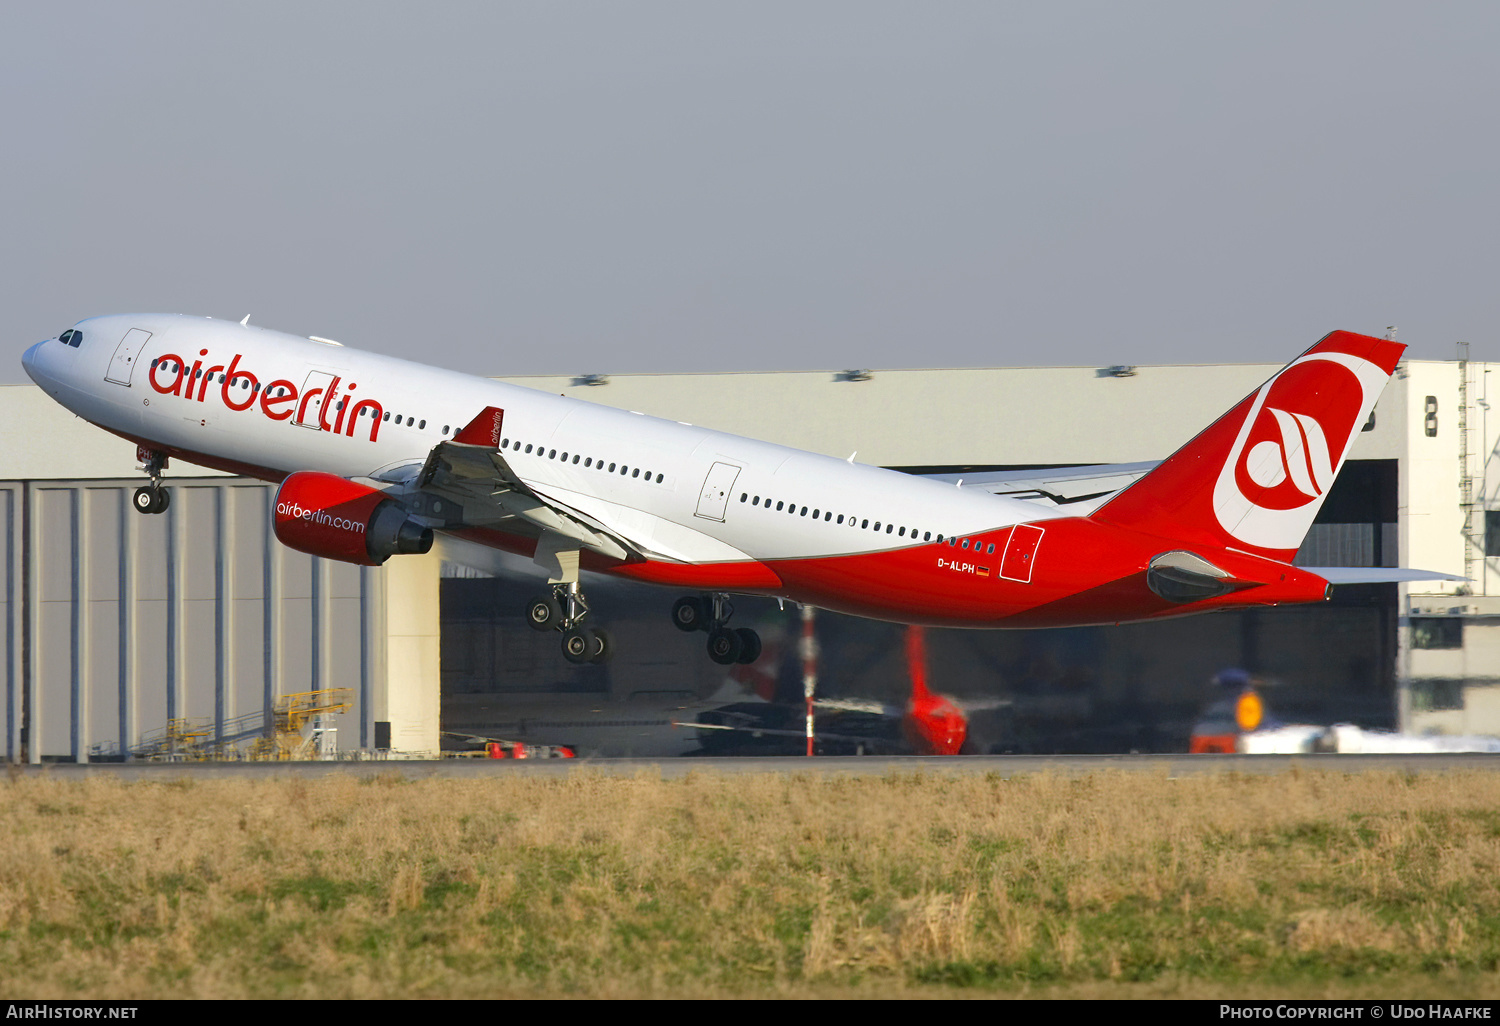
(72,337)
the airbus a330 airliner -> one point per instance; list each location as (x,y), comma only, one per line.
(378,456)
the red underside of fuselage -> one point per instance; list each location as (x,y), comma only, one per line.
(1082,572)
(203,459)
(1085,573)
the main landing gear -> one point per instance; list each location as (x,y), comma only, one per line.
(709,613)
(152,498)
(561,611)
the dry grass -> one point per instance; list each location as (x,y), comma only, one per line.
(1107,885)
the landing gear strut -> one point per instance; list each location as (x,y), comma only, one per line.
(710,613)
(152,498)
(561,611)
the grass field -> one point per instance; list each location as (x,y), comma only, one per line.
(1115,884)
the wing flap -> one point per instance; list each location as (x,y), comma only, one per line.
(470,469)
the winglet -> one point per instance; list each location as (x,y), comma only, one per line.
(483,429)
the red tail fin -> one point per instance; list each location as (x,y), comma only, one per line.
(1255,478)
(933,725)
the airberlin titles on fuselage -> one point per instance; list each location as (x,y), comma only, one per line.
(271,398)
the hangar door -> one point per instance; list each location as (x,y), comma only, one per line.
(116,624)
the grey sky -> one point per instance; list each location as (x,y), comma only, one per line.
(575,187)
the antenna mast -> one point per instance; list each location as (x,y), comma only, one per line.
(1465,477)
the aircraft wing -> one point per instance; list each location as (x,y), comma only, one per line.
(1079,490)
(465,481)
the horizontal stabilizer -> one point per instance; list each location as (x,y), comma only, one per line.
(1377,574)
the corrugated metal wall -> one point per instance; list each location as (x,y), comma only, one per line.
(116,623)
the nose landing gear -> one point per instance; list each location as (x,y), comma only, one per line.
(152,498)
(710,613)
(561,611)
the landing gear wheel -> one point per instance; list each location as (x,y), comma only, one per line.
(601,647)
(724,646)
(151,500)
(544,613)
(578,644)
(749,645)
(688,614)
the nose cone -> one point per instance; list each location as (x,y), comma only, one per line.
(31,360)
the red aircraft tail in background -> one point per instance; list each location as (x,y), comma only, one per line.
(933,725)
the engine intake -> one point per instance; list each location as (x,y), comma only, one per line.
(335,518)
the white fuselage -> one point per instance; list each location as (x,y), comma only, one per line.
(663,501)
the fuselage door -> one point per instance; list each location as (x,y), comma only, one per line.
(309,409)
(1020,553)
(714,498)
(122,364)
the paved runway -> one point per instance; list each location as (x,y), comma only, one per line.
(1001,765)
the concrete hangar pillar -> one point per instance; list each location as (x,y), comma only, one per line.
(115,624)
(406,702)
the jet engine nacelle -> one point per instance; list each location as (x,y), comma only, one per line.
(333,517)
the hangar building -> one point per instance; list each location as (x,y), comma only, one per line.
(118,625)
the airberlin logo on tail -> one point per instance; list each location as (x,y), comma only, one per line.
(1289,448)
(1299,456)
